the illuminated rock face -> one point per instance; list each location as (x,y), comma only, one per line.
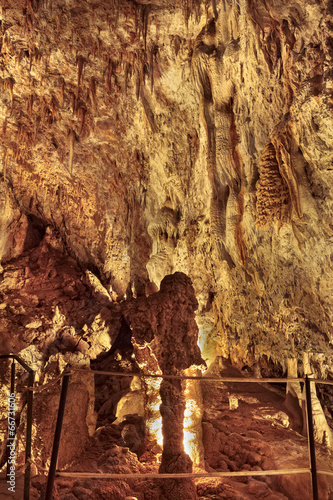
(174,458)
(166,322)
(155,137)
(180,136)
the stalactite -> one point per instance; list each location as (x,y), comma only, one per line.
(144,70)
(80,61)
(5,162)
(30,104)
(4,127)
(45,195)
(151,68)
(81,113)
(9,84)
(62,94)
(92,88)
(218,226)
(19,175)
(17,154)
(20,56)
(192,6)
(36,127)
(116,9)
(186,11)
(287,173)
(79,214)
(273,200)
(145,10)
(137,85)
(201,74)
(148,111)
(54,108)
(109,76)
(234,155)
(136,20)
(127,67)
(71,150)
(34,55)
(238,182)
(31,59)
(176,44)
(214,9)
(73,101)
(96,48)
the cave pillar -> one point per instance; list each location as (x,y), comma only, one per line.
(174,458)
(172,411)
(166,333)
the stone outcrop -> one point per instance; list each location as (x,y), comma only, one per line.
(143,138)
(180,136)
(164,323)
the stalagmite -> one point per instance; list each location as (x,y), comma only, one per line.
(173,343)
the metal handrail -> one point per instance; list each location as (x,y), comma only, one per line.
(312,469)
(66,375)
(182,475)
(31,378)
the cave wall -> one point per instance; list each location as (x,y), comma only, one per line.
(156,137)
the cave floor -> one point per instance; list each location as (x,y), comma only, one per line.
(246,427)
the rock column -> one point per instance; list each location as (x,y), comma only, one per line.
(174,458)
(165,322)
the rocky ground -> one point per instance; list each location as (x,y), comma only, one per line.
(245,427)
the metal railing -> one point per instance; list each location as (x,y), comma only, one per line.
(312,469)
(31,378)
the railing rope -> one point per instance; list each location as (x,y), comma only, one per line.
(182,475)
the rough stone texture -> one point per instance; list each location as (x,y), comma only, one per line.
(254,435)
(50,315)
(153,137)
(164,322)
(13,226)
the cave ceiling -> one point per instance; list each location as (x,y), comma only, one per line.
(150,137)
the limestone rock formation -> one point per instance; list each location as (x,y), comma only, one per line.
(180,136)
(164,322)
(144,138)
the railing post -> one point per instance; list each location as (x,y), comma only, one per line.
(12,377)
(311,440)
(56,441)
(30,396)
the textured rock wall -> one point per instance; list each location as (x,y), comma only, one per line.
(188,136)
